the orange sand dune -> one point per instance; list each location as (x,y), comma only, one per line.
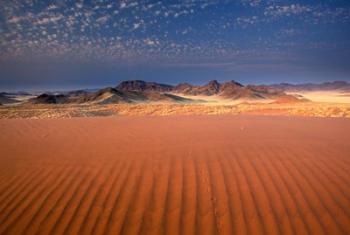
(175,175)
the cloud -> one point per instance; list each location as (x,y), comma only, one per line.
(150,42)
(252,3)
(286,10)
(339,14)
(172,30)
(125,4)
(246,21)
(137,25)
(49,19)
(102,19)
(79,5)
(52,7)
(15,19)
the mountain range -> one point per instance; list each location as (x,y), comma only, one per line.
(137,91)
(341,86)
(109,95)
(5,98)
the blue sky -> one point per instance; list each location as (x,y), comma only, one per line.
(92,43)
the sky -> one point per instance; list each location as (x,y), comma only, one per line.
(92,43)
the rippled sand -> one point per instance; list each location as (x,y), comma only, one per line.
(175,175)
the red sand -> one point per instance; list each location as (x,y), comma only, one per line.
(175,175)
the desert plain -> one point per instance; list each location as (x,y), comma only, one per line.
(148,158)
(178,174)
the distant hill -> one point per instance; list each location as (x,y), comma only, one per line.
(49,99)
(212,88)
(104,96)
(326,86)
(6,99)
(230,90)
(138,85)
(17,93)
(108,95)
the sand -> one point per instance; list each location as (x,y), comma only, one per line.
(175,175)
(307,109)
(325,96)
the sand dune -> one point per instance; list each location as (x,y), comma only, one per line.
(175,175)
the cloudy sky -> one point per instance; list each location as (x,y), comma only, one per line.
(93,43)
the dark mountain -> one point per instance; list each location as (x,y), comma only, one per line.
(112,96)
(49,99)
(230,90)
(77,93)
(22,93)
(266,91)
(154,96)
(137,85)
(5,99)
(104,96)
(107,95)
(17,93)
(212,88)
(184,88)
(326,86)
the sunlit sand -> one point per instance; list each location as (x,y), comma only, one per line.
(175,175)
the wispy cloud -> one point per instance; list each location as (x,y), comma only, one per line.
(160,30)
(286,10)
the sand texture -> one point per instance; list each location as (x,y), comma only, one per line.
(175,175)
(305,109)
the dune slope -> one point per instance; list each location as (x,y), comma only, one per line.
(175,175)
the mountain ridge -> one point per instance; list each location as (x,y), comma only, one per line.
(325,86)
(135,91)
(138,91)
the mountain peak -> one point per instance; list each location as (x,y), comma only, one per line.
(132,85)
(213,82)
(236,83)
(139,85)
(231,83)
(213,86)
